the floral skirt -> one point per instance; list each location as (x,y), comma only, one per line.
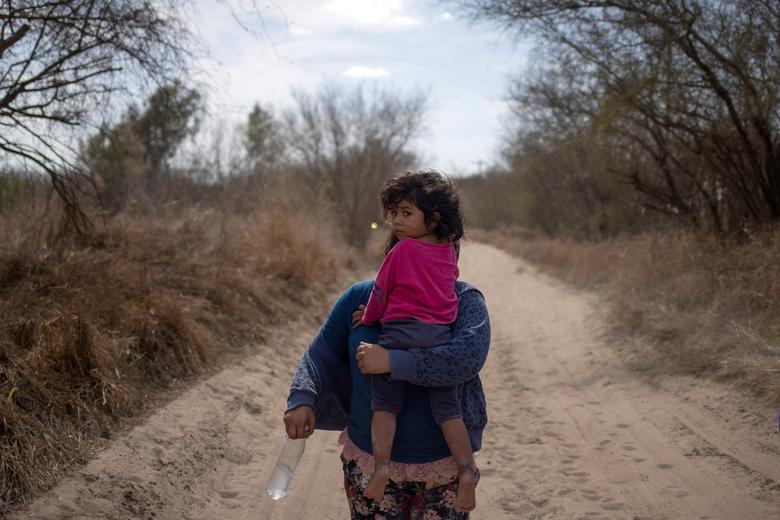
(432,497)
(402,501)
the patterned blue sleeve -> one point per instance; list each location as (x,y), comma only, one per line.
(453,363)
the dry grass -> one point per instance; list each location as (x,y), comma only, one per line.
(708,309)
(91,333)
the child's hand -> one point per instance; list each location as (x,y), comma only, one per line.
(357,316)
(372,359)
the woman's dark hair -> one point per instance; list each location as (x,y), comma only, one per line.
(434,194)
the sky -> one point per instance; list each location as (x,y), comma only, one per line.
(403,44)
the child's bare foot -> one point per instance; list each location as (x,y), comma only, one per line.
(376,486)
(467,497)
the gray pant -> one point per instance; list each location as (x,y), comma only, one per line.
(387,395)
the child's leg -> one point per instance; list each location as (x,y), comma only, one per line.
(382,435)
(457,437)
(387,398)
(445,406)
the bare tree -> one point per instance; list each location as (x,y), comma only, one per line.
(692,86)
(347,142)
(58,58)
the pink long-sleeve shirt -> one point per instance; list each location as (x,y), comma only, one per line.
(416,280)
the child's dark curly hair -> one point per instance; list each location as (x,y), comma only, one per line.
(434,194)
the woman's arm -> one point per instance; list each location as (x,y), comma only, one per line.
(322,378)
(455,362)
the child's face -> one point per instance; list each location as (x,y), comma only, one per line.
(408,221)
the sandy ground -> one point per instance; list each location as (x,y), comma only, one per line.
(573,433)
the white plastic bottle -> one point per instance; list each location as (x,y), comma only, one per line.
(285,466)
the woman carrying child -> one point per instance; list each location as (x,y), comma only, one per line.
(437,333)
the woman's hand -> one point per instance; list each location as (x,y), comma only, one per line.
(357,316)
(299,422)
(372,359)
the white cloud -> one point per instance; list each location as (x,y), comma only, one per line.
(372,12)
(348,40)
(447,16)
(366,72)
(300,31)
(403,21)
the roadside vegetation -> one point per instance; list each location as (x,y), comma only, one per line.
(642,159)
(707,310)
(93,332)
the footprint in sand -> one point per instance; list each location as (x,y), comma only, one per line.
(228,494)
(238,456)
(519,487)
(613,506)
(664,466)
(511,506)
(251,407)
(674,490)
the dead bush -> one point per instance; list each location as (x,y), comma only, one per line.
(92,330)
(707,307)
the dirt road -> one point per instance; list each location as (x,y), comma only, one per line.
(573,433)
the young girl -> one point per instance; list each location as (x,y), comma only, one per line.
(414,299)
